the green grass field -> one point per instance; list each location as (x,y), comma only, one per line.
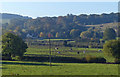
(66,52)
(56,39)
(43,68)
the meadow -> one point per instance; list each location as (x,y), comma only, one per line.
(59,68)
(67,52)
(43,68)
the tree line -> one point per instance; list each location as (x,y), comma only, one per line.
(69,26)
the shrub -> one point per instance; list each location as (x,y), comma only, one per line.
(90,46)
(65,43)
(93,59)
(117,61)
(98,60)
(88,57)
(5,57)
(16,58)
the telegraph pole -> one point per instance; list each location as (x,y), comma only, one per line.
(49,35)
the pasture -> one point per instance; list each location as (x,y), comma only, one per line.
(67,52)
(58,68)
(43,68)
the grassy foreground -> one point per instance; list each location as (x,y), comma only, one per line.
(43,68)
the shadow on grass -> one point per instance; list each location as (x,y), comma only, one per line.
(16,63)
(54,59)
(3,68)
(62,59)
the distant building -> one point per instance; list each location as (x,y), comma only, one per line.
(32,37)
(29,36)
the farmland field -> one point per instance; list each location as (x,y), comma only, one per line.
(66,52)
(43,68)
(60,39)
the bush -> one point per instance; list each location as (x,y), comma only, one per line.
(65,43)
(117,61)
(98,60)
(88,57)
(6,57)
(92,59)
(16,58)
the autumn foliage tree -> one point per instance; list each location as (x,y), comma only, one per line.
(75,33)
(41,34)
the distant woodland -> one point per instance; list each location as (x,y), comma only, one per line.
(69,26)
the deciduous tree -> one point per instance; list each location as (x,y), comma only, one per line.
(109,34)
(112,48)
(13,45)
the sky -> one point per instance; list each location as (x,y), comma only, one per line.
(59,0)
(42,9)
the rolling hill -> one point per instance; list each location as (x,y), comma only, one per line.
(6,17)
